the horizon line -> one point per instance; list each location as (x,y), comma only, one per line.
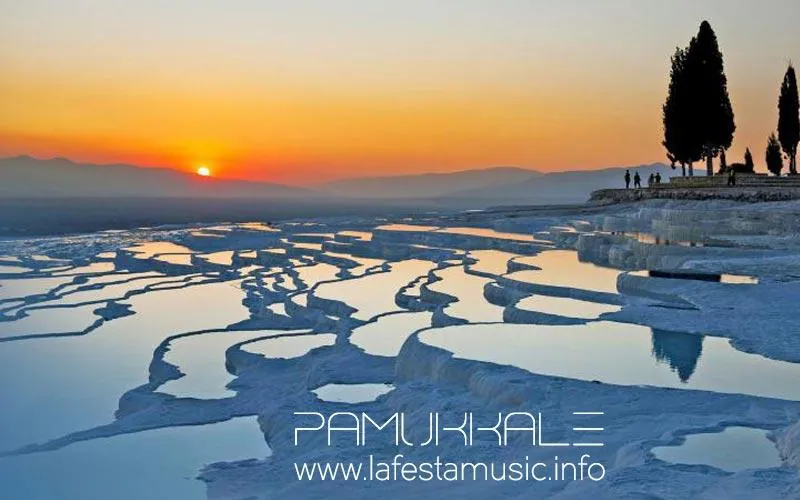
(331,181)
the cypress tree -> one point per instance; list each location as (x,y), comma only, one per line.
(709,94)
(748,161)
(680,134)
(773,155)
(789,118)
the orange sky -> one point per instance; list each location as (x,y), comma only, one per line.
(326,90)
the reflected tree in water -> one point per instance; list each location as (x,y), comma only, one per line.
(680,351)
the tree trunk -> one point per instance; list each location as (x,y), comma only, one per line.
(691,169)
(683,169)
(793,163)
(709,163)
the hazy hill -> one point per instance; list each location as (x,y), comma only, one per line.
(493,186)
(562,187)
(24,176)
(427,185)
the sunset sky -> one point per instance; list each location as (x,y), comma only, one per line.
(305,91)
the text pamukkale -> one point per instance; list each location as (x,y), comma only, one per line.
(462,427)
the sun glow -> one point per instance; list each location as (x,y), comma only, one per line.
(204,171)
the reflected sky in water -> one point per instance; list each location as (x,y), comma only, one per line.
(374,294)
(110,361)
(623,354)
(734,449)
(562,268)
(468,288)
(564,306)
(494,262)
(156,464)
(385,337)
(289,347)
(351,393)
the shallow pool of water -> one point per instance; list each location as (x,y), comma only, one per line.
(289,347)
(405,227)
(494,262)
(468,290)
(50,321)
(150,249)
(351,393)
(360,235)
(562,268)
(158,464)
(734,449)
(374,294)
(484,232)
(55,386)
(623,354)
(386,335)
(201,358)
(563,306)
(312,275)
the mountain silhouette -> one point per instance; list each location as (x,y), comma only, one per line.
(27,177)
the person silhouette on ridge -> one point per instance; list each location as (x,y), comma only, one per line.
(627,179)
(637,180)
(658,177)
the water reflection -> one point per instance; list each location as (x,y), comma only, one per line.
(468,290)
(681,351)
(494,262)
(732,450)
(622,354)
(154,464)
(375,294)
(565,306)
(562,268)
(351,393)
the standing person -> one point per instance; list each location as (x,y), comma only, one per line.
(651,180)
(627,179)
(733,177)
(637,180)
(658,177)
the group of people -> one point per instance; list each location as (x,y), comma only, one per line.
(655,179)
(637,180)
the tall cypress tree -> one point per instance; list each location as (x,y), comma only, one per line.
(789,118)
(748,161)
(711,104)
(680,133)
(773,155)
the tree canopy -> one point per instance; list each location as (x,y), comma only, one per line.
(697,115)
(789,118)
(773,155)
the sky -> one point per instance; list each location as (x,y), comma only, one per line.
(303,91)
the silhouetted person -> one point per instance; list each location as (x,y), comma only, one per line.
(658,177)
(627,179)
(637,180)
(650,180)
(732,177)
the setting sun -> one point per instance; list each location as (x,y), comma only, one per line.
(203,170)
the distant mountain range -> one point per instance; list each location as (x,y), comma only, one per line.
(27,177)
(494,186)
(427,185)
